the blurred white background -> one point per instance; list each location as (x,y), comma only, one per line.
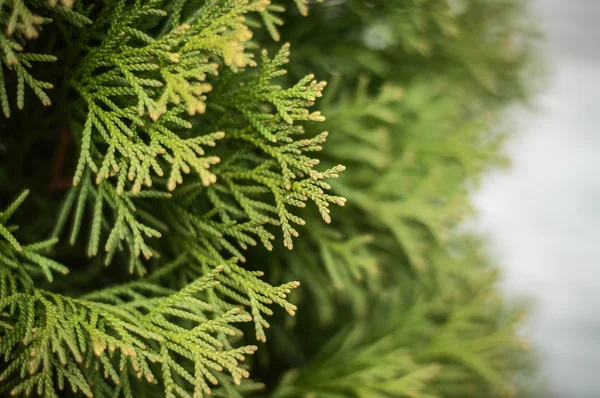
(543,215)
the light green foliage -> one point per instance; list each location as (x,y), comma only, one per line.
(182,154)
(145,75)
(157,72)
(128,333)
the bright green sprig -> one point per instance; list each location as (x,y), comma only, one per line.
(59,338)
(207,242)
(166,76)
(284,172)
(284,196)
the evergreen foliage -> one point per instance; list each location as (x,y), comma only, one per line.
(167,155)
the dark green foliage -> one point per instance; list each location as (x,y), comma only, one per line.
(170,163)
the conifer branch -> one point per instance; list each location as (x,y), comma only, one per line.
(19,22)
(133,329)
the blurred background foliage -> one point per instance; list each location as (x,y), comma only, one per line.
(416,106)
